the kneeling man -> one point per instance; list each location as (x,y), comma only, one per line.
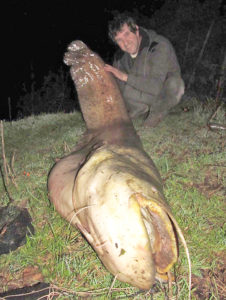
(146,69)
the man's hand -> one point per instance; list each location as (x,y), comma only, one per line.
(116,72)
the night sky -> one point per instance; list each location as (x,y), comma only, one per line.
(37,32)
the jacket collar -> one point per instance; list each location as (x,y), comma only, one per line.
(145,42)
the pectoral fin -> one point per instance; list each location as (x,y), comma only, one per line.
(161,233)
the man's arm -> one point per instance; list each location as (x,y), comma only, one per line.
(155,67)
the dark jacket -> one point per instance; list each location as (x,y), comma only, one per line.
(155,62)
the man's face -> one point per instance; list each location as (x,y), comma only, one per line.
(128,41)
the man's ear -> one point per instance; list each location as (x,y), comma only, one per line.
(137,29)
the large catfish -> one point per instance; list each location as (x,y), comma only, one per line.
(109,188)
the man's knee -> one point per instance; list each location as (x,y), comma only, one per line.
(174,88)
(136,109)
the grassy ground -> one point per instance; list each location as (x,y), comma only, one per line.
(192,163)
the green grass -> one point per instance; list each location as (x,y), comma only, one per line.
(191,161)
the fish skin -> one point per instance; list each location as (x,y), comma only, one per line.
(109,188)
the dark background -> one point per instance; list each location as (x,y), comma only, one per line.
(36,34)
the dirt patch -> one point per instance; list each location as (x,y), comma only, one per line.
(211,282)
(24,278)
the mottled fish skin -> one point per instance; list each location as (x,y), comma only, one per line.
(101,98)
(109,187)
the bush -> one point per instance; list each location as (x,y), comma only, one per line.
(54,96)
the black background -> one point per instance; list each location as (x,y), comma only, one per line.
(36,34)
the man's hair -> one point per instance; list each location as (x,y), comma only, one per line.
(116,24)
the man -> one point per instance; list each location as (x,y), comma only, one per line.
(146,69)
